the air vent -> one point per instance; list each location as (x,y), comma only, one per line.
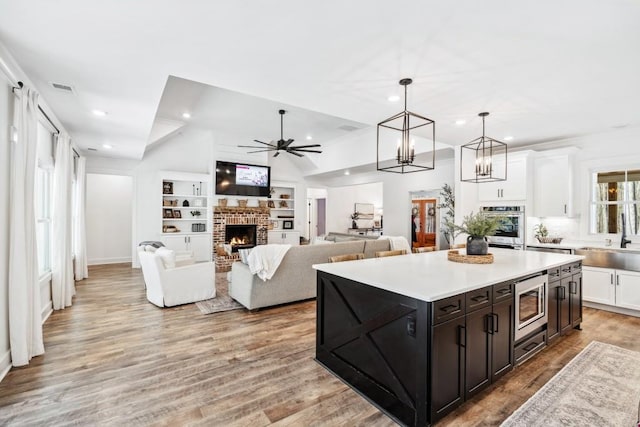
(348,128)
(63,88)
(92,149)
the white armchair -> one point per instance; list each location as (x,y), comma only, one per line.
(180,285)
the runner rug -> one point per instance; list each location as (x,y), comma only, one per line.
(599,387)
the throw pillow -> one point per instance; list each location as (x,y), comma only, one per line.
(244,255)
(167,256)
(149,248)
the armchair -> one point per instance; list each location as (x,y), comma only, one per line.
(180,285)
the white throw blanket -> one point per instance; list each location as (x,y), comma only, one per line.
(265,259)
(397,243)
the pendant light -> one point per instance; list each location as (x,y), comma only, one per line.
(404,141)
(484,159)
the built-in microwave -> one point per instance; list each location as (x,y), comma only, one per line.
(531,305)
(511,232)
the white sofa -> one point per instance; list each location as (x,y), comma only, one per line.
(295,279)
(178,285)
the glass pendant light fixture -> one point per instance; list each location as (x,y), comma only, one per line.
(484,159)
(406,141)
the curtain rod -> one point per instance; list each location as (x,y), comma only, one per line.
(20,85)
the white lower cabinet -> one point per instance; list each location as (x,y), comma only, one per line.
(198,244)
(284,237)
(619,288)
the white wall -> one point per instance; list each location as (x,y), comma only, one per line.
(6,118)
(341,200)
(109,218)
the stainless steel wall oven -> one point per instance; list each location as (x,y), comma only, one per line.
(511,233)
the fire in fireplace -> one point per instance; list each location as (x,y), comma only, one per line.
(240,236)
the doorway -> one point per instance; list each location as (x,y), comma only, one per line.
(316,212)
(424,227)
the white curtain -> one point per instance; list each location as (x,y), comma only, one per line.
(25,321)
(79,228)
(62,284)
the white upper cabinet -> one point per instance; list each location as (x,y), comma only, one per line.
(553,183)
(515,188)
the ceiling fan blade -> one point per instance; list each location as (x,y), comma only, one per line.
(306,146)
(260,151)
(251,146)
(277,153)
(305,151)
(265,143)
(287,143)
(294,153)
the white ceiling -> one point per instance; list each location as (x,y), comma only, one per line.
(545,70)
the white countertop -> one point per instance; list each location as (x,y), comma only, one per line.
(577,244)
(431,276)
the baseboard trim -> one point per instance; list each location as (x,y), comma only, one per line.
(5,364)
(611,308)
(46,311)
(100,261)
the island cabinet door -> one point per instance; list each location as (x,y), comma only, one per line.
(448,342)
(553,326)
(478,357)
(575,292)
(564,306)
(502,325)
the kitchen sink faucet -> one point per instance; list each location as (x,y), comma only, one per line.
(624,241)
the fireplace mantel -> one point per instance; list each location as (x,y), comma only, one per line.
(223,216)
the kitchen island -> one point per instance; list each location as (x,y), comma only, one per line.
(417,334)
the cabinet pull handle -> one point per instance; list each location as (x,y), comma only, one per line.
(504,291)
(498,193)
(565,209)
(480,298)
(488,323)
(573,287)
(531,346)
(611,278)
(617,280)
(462,336)
(495,323)
(449,309)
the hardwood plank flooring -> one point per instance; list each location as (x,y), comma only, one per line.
(115,359)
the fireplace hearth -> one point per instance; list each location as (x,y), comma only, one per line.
(240,236)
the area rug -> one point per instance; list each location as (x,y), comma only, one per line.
(222,301)
(599,387)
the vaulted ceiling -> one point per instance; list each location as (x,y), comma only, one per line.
(545,70)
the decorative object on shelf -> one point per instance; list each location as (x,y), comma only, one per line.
(197,203)
(449,204)
(198,227)
(197,189)
(195,213)
(281,144)
(185,203)
(167,187)
(167,202)
(177,214)
(222,203)
(271,204)
(287,225)
(398,133)
(284,196)
(167,213)
(478,227)
(478,159)
(456,256)
(262,203)
(170,229)
(354,216)
(283,204)
(242,203)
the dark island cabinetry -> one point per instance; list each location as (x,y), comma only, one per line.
(565,300)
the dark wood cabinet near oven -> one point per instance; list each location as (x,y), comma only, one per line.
(565,300)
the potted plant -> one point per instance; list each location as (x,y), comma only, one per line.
(448,205)
(478,227)
(195,213)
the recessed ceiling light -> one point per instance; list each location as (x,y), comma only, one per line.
(346,172)
(107,146)
(99,113)
(460,122)
(309,137)
(508,138)
(394,98)
(186,115)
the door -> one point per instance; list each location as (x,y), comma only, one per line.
(423,222)
(553,329)
(447,367)
(175,243)
(628,289)
(598,285)
(564,310)
(502,339)
(478,357)
(575,291)
(321,216)
(201,247)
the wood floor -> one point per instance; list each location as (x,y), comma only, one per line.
(115,359)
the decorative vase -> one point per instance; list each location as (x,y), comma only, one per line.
(477,245)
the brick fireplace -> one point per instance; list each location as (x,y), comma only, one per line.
(224,216)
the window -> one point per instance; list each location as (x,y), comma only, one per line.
(43,219)
(615,193)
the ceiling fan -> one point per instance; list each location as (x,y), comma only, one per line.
(282,145)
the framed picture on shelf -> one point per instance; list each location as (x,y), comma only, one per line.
(167,187)
(177,214)
(287,225)
(167,213)
(377,223)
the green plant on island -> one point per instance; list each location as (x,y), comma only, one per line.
(540,231)
(478,225)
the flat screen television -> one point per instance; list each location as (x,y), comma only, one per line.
(240,179)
